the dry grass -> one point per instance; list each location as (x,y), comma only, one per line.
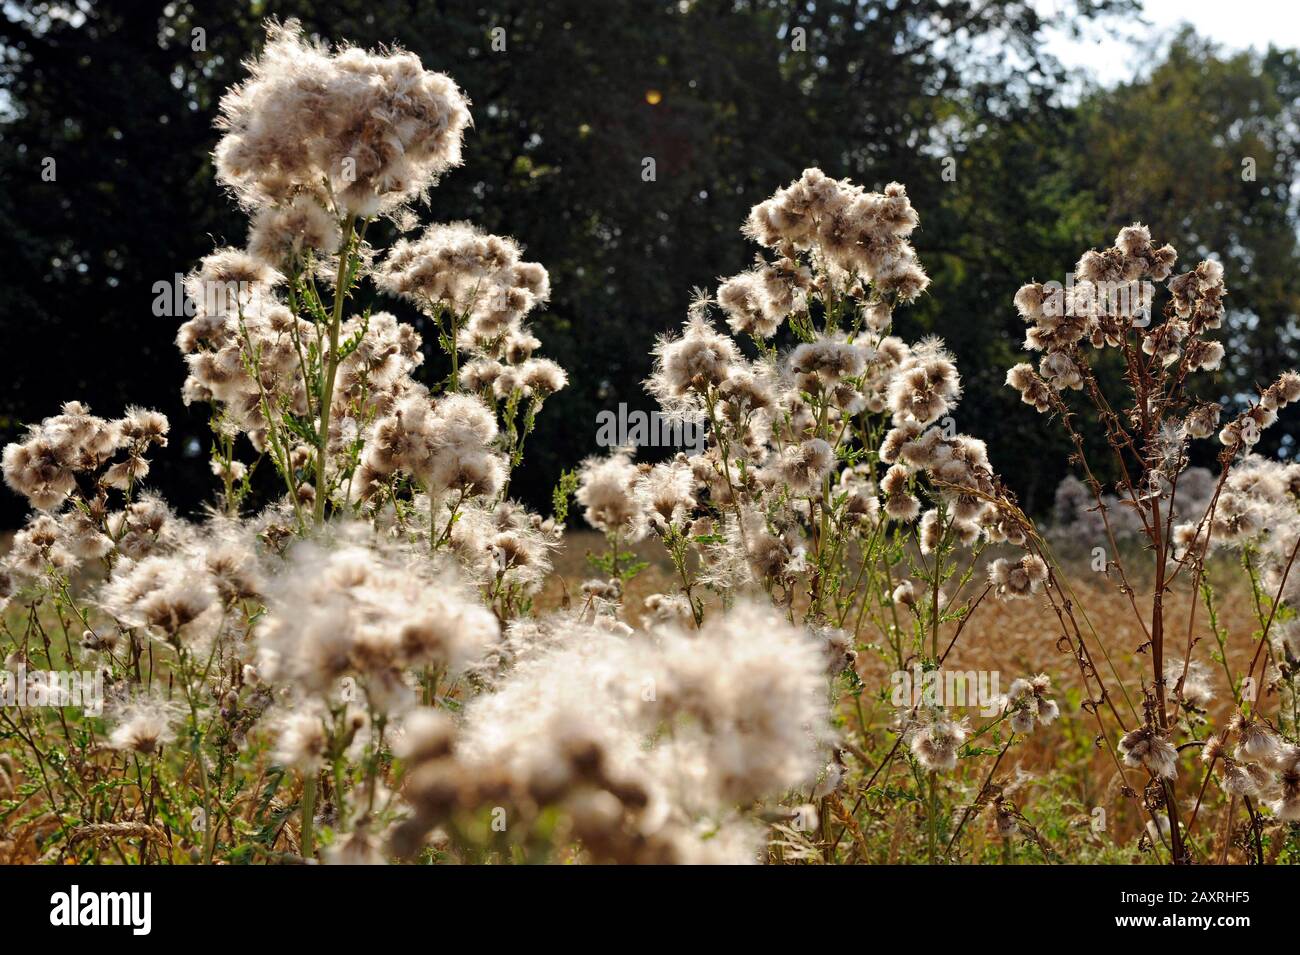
(1066,762)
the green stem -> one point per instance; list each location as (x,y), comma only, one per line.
(332,367)
(308,814)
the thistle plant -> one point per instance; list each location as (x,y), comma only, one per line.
(354,655)
(337,673)
(1104,318)
(835,482)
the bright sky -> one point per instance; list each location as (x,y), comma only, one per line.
(1236,24)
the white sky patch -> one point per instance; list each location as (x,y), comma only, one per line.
(1124,47)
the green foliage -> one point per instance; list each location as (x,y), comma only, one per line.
(562,493)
